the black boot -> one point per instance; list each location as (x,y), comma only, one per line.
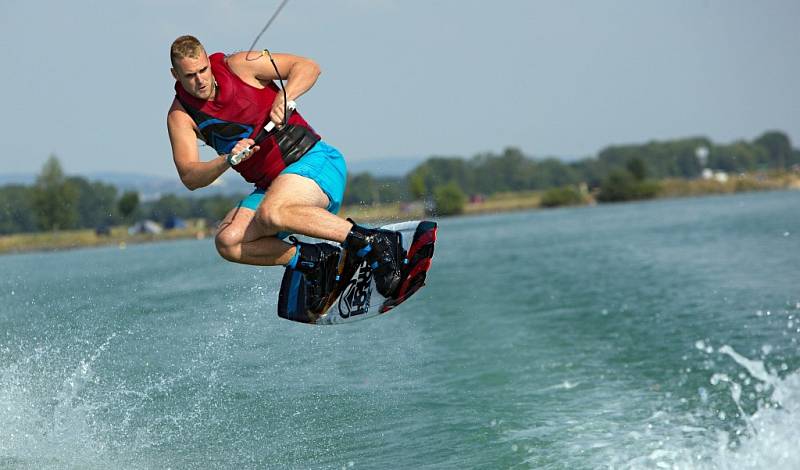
(318,262)
(383,250)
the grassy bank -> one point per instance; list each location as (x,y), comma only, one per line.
(734,184)
(383,213)
(67,239)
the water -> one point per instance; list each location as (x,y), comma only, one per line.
(649,335)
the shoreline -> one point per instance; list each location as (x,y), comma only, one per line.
(381,213)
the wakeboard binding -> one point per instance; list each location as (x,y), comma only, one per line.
(318,262)
(415,267)
(383,252)
(337,281)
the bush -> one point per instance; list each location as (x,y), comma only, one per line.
(449,199)
(622,185)
(647,189)
(564,196)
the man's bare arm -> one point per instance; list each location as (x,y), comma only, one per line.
(299,74)
(185,153)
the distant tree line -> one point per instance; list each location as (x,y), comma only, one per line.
(682,158)
(59,202)
(619,172)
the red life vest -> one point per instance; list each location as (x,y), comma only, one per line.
(238,111)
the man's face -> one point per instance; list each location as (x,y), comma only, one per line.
(195,76)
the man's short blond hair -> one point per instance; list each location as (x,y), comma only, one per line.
(185,46)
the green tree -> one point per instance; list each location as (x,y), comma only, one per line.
(55,201)
(637,168)
(449,199)
(591,170)
(437,171)
(617,187)
(674,158)
(361,189)
(778,147)
(16,212)
(128,204)
(551,172)
(95,202)
(511,171)
(416,185)
(736,157)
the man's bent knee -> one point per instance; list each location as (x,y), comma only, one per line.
(228,243)
(272,217)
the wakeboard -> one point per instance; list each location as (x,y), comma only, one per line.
(355,296)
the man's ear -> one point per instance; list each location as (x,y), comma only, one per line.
(174,73)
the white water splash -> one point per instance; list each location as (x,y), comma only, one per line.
(767,441)
(773,436)
(45,425)
(755,368)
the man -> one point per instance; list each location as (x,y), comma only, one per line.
(299,179)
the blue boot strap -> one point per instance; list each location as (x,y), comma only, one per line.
(363,252)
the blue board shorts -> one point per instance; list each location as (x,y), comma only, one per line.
(322,163)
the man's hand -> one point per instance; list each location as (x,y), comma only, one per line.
(277,115)
(243,145)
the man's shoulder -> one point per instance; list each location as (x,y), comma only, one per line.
(176,107)
(242,63)
(177,115)
(238,57)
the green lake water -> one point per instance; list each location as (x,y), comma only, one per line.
(659,334)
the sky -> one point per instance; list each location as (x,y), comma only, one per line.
(89,81)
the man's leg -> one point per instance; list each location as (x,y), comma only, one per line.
(242,240)
(293,203)
(296,204)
